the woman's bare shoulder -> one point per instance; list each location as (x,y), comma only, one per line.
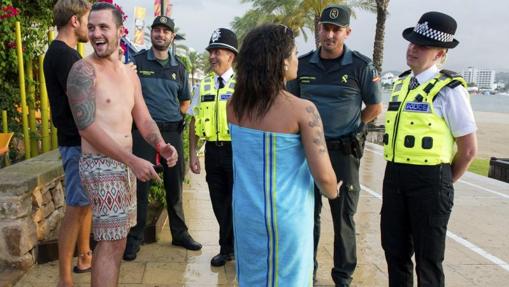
(298,104)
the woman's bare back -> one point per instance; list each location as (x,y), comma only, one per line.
(282,117)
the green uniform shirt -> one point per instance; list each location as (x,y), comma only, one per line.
(164,87)
(339,92)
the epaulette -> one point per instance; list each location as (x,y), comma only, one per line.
(307,54)
(405,73)
(362,57)
(450,73)
(454,83)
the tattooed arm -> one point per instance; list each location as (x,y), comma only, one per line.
(81,94)
(311,129)
(148,127)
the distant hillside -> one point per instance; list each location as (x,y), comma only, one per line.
(502,77)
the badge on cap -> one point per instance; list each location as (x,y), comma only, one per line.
(215,35)
(163,20)
(334,13)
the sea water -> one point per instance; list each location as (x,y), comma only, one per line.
(497,103)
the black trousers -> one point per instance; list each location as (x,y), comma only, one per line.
(172,177)
(343,210)
(417,203)
(219,169)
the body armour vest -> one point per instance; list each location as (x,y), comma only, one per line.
(210,120)
(414,132)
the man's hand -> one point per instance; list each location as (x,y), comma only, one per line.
(194,164)
(143,169)
(169,153)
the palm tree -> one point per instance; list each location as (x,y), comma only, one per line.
(203,63)
(194,58)
(296,14)
(286,12)
(302,14)
(315,7)
(378,46)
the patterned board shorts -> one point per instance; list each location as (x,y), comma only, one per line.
(111,187)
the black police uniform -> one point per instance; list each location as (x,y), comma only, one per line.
(219,163)
(338,88)
(418,197)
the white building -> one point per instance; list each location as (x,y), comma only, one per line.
(486,79)
(388,79)
(483,78)
(470,75)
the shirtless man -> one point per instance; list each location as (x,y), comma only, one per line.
(105,97)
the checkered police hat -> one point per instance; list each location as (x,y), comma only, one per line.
(434,29)
(334,14)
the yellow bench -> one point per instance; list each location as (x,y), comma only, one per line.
(5,139)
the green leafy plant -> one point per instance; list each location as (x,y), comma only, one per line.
(480,166)
(156,195)
(36,20)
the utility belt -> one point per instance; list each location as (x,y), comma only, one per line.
(350,144)
(219,143)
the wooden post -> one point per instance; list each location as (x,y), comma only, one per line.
(81,49)
(54,138)
(22,91)
(5,127)
(34,146)
(46,141)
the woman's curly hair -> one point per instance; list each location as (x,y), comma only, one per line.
(260,70)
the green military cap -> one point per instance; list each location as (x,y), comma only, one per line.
(164,21)
(338,15)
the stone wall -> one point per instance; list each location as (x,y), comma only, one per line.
(31,208)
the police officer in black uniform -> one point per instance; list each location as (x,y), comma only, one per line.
(210,123)
(338,80)
(164,83)
(429,142)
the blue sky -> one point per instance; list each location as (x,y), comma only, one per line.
(483,30)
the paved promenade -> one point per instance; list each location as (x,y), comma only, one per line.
(477,245)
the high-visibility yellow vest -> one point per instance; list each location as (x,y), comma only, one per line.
(414,132)
(210,115)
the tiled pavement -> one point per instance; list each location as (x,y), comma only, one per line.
(480,217)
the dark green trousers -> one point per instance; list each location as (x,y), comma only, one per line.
(343,210)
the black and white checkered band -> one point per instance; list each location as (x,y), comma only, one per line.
(426,31)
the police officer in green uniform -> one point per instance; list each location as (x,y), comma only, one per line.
(429,142)
(338,80)
(165,88)
(210,123)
